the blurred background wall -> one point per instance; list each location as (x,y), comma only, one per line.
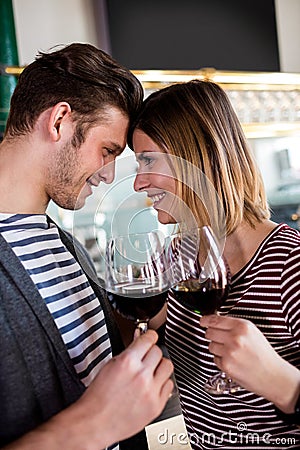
(40,24)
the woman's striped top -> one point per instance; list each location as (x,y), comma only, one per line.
(267,292)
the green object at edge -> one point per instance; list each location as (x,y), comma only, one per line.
(8,57)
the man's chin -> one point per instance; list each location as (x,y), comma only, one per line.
(71,205)
(79,203)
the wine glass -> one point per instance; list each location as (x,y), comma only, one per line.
(136,276)
(201,281)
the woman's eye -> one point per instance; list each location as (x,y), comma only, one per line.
(147,160)
(144,159)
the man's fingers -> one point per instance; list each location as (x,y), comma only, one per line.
(164,370)
(167,390)
(142,344)
(153,357)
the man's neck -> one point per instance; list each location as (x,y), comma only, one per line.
(21,190)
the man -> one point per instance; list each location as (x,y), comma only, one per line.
(60,387)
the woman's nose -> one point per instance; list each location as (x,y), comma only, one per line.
(141,182)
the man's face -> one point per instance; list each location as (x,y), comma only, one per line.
(75,170)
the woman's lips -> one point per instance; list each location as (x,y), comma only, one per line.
(157,198)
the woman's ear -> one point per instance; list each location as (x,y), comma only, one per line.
(59,114)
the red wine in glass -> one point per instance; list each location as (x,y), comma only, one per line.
(201,281)
(201,297)
(137,279)
(138,309)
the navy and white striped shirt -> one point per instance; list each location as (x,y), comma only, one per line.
(65,289)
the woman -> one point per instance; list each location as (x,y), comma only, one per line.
(196,167)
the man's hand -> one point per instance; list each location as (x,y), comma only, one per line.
(129,392)
(132,389)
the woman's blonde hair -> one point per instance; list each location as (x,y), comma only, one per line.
(195,122)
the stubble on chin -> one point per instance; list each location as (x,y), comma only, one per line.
(62,180)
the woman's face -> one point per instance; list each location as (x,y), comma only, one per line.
(155,177)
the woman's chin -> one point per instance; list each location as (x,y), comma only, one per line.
(165,218)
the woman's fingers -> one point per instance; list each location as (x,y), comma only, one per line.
(219,322)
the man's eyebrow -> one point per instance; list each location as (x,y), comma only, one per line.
(115,147)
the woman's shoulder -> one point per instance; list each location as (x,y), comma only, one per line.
(284,234)
(283,245)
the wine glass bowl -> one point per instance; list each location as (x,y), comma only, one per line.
(187,292)
(201,282)
(136,277)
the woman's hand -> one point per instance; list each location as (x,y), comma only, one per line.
(242,351)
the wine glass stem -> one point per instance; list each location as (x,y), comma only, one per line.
(141,327)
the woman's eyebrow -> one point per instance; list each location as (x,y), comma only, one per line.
(141,155)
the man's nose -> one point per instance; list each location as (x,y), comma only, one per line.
(108,172)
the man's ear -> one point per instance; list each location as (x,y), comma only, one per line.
(58,114)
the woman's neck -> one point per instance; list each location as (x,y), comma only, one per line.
(242,244)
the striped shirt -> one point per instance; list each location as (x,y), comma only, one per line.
(267,292)
(65,289)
